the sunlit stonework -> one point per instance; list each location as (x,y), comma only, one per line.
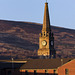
(46,38)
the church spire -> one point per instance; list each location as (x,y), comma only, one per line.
(46,20)
(46,38)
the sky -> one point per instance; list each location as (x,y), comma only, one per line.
(62,12)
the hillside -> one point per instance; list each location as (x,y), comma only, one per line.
(20,40)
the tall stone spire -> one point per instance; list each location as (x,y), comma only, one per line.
(46,20)
(46,38)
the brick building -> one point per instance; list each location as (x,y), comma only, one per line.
(65,66)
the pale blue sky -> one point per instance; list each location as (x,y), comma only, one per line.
(62,12)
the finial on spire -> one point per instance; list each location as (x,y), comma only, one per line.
(46,1)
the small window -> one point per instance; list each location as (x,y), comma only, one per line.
(9,72)
(54,71)
(46,72)
(44,33)
(35,72)
(66,72)
(26,73)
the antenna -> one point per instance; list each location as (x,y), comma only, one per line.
(12,65)
(61,61)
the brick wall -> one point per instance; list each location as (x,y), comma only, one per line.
(70,66)
(39,72)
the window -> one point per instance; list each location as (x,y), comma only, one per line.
(66,72)
(9,72)
(54,72)
(35,72)
(46,72)
(44,33)
(26,73)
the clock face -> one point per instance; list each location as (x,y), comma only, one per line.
(51,42)
(44,43)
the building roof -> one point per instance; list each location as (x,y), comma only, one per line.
(70,64)
(14,61)
(9,64)
(34,63)
(45,63)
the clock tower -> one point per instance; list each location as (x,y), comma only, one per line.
(46,38)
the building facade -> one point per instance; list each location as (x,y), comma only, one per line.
(67,68)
